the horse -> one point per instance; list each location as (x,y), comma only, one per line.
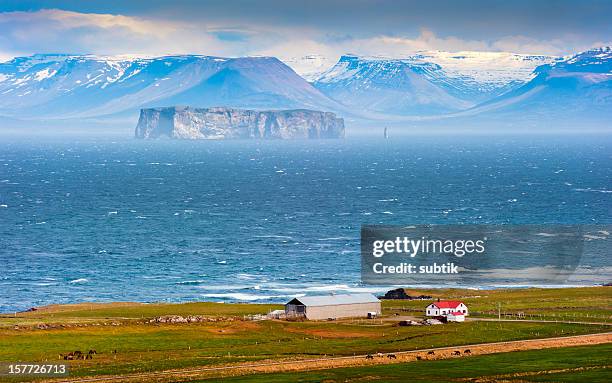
(431,353)
(391,356)
(369,356)
(456,352)
(468,351)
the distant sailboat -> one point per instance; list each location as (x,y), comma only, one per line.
(386,133)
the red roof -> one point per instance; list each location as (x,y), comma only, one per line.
(447,304)
(457,313)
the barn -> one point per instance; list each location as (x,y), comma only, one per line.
(333,306)
(444,308)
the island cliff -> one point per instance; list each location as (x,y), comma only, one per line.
(228,123)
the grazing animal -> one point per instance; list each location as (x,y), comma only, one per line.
(431,353)
(92,352)
(369,356)
(456,352)
(88,356)
(468,351)
(419,358)
(391,356)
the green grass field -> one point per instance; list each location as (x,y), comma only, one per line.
(143,346)
(590,304)
(572,364)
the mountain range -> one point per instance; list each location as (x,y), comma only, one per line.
(429,83)
(424,86)
(572,88)
(69,86)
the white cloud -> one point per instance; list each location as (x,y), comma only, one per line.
(53,30)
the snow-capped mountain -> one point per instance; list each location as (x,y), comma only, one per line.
(427,82)
(84,85)
(486,73)
(573,88)
(390,86)
(310,67)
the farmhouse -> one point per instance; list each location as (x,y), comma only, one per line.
(333,306)
(453,311)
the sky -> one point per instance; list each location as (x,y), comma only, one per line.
(293,29)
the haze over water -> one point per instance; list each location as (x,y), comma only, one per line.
(130,220)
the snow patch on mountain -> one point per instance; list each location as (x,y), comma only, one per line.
(43,74)
(309,67)
(476,71)
(490,70)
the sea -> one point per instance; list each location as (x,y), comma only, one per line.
(119,219)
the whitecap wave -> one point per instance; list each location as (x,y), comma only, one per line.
(245,296)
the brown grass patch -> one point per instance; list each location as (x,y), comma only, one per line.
(331,333)
(229,328)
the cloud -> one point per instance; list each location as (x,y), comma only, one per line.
(55,30)
(398,47)
(52,30)
(558,46)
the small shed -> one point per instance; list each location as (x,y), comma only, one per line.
(333,306)
(455,316)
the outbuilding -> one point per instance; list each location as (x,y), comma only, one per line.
(333,306)
(455,316)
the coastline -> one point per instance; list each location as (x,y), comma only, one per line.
(455,292)
(170,342)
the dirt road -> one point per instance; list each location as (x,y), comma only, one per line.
(347,361)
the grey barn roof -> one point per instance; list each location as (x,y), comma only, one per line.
(330,300)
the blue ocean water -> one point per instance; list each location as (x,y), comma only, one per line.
(129,220)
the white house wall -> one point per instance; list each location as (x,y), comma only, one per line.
(342,311)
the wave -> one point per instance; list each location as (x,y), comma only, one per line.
(338,239)
(225,287)
(79,280)
(246,297)
(593,190)
(194,282)
(246,276)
